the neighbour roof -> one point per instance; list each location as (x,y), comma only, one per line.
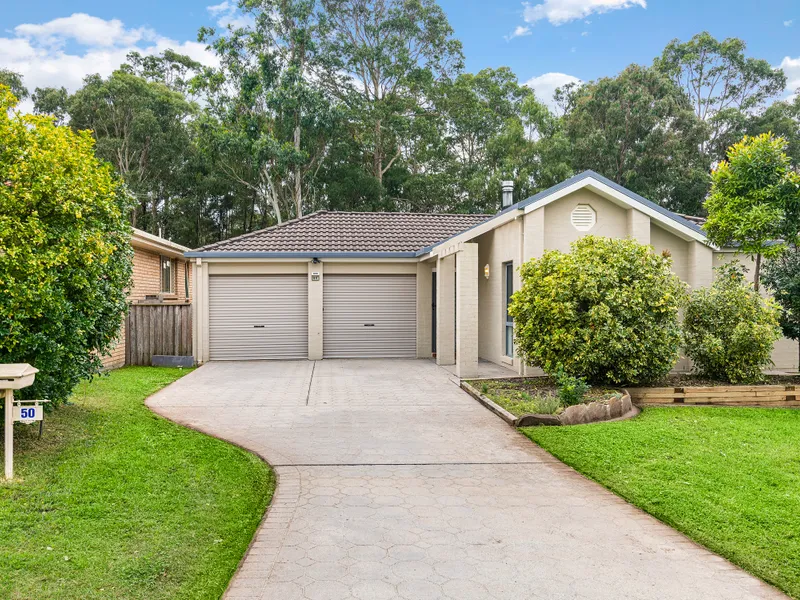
(154,243)
(346,232)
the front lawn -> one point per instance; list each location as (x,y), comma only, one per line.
(115,502)
(727,477)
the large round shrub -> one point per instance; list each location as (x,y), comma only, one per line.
(65,257)
(607,312)
(730,329)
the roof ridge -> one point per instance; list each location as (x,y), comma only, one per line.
(258,231)
(399,212)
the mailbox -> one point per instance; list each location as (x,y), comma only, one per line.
(15,377)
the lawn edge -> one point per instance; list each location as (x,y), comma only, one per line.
(250,451)
(687,536)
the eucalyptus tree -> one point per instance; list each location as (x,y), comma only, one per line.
(14,81)
(639,130)
(388,54)
(139,127)
(267,123)
(722,84)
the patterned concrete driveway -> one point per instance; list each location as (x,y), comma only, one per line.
(395,484)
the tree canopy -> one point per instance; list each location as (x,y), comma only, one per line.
(366,105)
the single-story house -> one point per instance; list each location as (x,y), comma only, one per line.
(350,284)
(161,274)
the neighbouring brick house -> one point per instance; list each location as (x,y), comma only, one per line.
(161,274)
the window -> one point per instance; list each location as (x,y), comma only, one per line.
(508,279)
(166,275)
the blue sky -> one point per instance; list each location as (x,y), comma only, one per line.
(58,42)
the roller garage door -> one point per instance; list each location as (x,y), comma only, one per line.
(255,317)
(369,316)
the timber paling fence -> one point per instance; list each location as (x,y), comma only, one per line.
(157,328)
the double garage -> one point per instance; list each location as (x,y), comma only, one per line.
(263,316)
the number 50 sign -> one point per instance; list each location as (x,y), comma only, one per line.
(28,414)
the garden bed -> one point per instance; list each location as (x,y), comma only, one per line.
(775,391)
(523,402)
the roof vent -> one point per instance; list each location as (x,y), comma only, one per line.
(508,193)
(583,217)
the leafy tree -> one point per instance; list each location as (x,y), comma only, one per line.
(782,278)
(13,81)
(754,203)
(65,256)
(638,130)
(607,312)
(782,119)
(730,329)
(388,54)
(51,101)
(720,81)
(267,126)
(139,127)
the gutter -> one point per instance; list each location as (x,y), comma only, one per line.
(305,254)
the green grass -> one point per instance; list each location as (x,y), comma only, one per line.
(115,502)
(727,477)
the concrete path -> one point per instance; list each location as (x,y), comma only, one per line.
(393,483)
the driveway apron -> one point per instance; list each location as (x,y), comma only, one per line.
(395,484)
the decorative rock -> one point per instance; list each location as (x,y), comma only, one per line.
(597,411)
(614,408)
(626,403)
(574,415)
(536,419)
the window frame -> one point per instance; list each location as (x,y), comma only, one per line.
(165,267)
(508,322)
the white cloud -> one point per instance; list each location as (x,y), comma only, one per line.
(37,50)
(791,66)
(228,15)
(584,33)
(545,86)
(84,29)
(788,23)
(520,31)
(558,12)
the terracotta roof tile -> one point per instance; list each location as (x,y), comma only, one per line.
(351,232)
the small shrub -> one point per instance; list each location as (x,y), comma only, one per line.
(546,404)
(729,329)
(571,390)
(484,389)
(607,312)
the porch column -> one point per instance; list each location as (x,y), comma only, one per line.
(467,311)
(424,309)
(445,310)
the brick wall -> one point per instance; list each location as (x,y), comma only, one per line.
(147,282)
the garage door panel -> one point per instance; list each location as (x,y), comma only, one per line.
(258,317)
(369,316)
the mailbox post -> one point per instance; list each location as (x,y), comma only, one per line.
(13,377)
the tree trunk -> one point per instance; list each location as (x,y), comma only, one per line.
(378,160)
(757,274)
(298,181)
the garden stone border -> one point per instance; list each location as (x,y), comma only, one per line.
(616,409)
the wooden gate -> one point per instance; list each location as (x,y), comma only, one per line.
(156,328)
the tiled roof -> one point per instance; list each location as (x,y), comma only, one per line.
(325,231)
